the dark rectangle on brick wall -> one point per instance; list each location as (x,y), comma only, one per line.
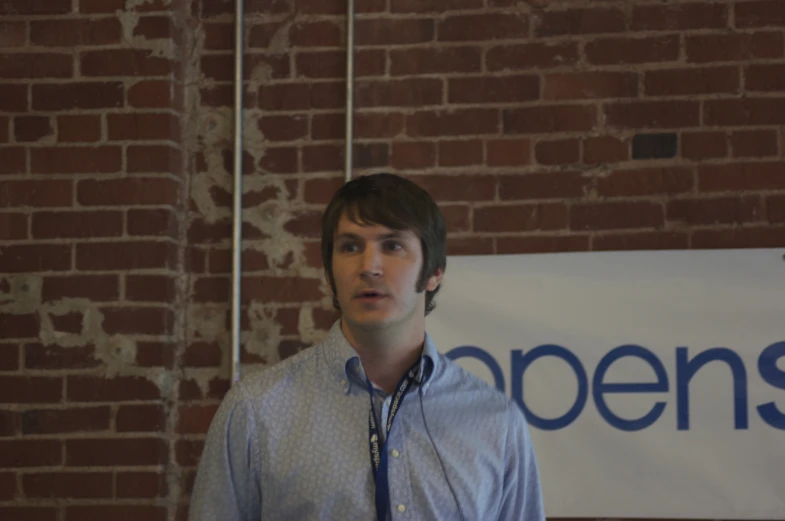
(654,146)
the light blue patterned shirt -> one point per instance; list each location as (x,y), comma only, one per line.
(290,443)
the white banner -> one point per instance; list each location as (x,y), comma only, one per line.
(653,381)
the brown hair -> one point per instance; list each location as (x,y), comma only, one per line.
(397,203)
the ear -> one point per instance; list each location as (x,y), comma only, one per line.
(435,279)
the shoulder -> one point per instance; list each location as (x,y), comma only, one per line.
(281,376)
(470,389)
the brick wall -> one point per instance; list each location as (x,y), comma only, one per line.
(565,125)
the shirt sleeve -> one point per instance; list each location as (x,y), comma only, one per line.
(227,483)
(522,496)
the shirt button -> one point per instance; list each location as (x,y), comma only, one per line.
(402,508)
(395,453)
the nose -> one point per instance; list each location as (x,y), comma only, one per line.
(371,262)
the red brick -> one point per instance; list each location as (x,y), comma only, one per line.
(117,389)
(154,159)
(302,34)
(72,33)
(13,98)
(68,485)
(604,216)
(435,60)
(154,223)
(393,31)
(30,389)
(150,288)
(41,357)
(734,47)
(144,321)
(739,237)
(82,95)
(728,210)
(18,325)
(579,21)
(281,289)
(13,35)
(5,133)
(116,512)
(558,152)
(590,85)
(469,246)
(439,6)
(8,488)
(283,128)
(546,119)
(38,65)
(741,177)
(195,419)
(211,289)
(141,485)
(605,149)
(679,17)
(112,6)
(93,287)
(201,232)
(618,51)
(413,155)
(9,358)
(460,153)
(81,128)
(653,114)
(33,258)
(482,27)
(550,185)
(114,452)
(13,160)
(132,190)
(395,93)
(139,125)
(10,425)
(140,418)
(703,145)
(463,187)
(322,158)
(641,241)
(279,160)
(453,123)
(760,14)
(124,256)
(679,82)
(32,128)
(57,421)
(67,323)
(747,111)
(754,143)
(76,160)
(156,28)
(327,95)
(332,64)
(508,152)
(50,225)
(305,223)
(155,354)
(30,453)
(542,244)
(24,513)
(124,62)
(154,94)
(26,7)
(532,56)
(202,354)
(647,181)
(286,96)
(775,209)
(188,452)
(764,78)
(491,89)
(521,217)
(13,226)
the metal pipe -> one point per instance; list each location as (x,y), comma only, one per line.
(349,89)
(237,237)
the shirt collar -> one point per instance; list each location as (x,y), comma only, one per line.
(344,363)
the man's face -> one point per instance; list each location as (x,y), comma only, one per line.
(375,270)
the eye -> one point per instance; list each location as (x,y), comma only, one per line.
(393,245)
(347,247)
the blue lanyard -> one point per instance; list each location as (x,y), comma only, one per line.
(379,455)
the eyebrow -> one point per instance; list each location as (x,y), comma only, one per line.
(382,237)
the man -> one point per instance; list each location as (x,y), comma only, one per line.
(373,423)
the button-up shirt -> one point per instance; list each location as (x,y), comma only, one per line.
(291,442)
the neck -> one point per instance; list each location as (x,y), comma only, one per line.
(385,357)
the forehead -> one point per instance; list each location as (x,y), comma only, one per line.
(369,230)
